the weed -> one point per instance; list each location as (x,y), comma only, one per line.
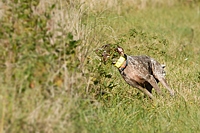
(52,80)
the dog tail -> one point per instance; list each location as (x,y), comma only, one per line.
(163,65)
(163,72)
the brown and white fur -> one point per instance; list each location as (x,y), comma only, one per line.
(141,72)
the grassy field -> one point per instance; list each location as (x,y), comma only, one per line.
(52,81)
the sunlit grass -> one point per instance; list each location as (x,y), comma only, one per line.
(61,87)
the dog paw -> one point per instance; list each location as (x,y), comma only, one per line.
(172,93)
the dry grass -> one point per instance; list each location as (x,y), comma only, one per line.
(48,89)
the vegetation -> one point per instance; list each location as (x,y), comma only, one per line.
(51,80)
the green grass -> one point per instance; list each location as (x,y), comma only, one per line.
(51,80)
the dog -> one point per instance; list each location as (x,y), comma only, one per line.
(141,72)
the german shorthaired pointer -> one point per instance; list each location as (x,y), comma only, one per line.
(141,72)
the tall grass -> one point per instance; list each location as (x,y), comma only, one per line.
(52,81)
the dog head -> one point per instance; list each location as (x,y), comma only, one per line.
(110,53)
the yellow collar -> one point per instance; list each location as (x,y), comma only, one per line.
(120,61)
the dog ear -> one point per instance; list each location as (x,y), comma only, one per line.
(120,50)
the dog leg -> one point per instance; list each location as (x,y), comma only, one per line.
(136,85)
(146,92)
(152,81)
(165,84)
